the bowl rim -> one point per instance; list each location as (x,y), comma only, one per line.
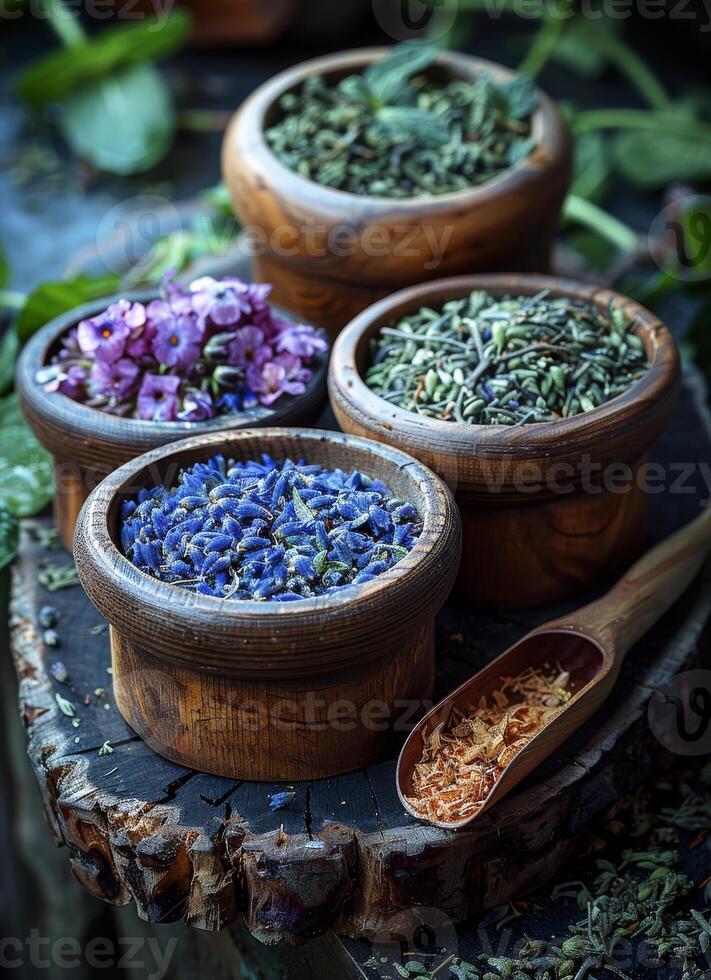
(520,442)
(549,131)
(100,562)
(119,429)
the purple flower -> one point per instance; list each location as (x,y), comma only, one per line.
(177,342)
(248,347)
(71,382)
(209,348)
(222,302)
(229,301)
(272,379)
(106,335)
(197,406)
(158,397)
(300,340)
(116,380)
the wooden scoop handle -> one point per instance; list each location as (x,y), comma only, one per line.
(650,587)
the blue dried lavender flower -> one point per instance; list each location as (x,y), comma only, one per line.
(277,531)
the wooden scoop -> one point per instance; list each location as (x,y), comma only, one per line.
(590,643)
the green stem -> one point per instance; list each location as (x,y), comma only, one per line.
(583,212)
(11,300)
(631,66)
(544,42)
(64,23)
(671,122)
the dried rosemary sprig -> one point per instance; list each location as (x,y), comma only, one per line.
(393,132)
(487,361)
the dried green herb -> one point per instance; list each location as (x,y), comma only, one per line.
(487,361)
(638,912)
(53,577)
(394,132)
(66,707)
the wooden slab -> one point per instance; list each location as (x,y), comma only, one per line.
(185,845)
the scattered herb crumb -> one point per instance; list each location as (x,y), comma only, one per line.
(59,672)
(54,577)
(65,706)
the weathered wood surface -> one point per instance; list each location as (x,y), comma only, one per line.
(185,845)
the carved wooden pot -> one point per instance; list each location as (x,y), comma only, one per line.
(267,690)
(330,253)
(545,514)
(87,444)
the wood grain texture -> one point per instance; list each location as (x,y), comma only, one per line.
(330,253)
(533,496)
(277,690)
(89,444)
(590,644)
(185,845)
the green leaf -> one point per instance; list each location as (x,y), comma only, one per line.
(320,561)
(178,250)
(592,167)
(338,566)
(576,51)
(125,124)
(302,511)
(219,198)
(651,160)
(26,479)
(9,535)
(593,248)
(51,299)
(387,80)
(55,76)
(520,95)
(9,349)
(429,129)
(4,268)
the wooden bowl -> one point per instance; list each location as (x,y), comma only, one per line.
(87,444)
(268,690)
(539,522)
(507,223)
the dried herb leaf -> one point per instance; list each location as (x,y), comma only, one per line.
(66,707)
(387,80)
